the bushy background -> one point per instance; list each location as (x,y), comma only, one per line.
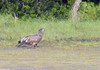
(49,9)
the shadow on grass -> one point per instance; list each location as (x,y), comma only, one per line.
(71,42)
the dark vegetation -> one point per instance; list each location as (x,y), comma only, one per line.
(48,8)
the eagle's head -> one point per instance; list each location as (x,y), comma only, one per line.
(41,30)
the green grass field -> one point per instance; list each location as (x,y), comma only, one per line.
(56,30)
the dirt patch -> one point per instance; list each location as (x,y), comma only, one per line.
(83,39)
(70,41)
(50,59)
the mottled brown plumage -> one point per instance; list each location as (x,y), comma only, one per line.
(32,39)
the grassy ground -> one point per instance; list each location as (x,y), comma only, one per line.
(59,33)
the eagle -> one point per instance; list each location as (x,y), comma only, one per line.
(33,39)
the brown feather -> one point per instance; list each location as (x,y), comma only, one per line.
(32,39)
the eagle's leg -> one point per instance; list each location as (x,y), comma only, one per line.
(34,44)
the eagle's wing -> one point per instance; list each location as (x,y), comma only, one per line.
(31,39)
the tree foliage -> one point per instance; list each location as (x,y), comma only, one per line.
(37,8)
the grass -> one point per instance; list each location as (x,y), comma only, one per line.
(55,30)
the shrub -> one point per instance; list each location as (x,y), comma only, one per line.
(88,10)
(36,8)
(98,11)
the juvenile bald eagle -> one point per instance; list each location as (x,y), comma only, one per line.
(32,39)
